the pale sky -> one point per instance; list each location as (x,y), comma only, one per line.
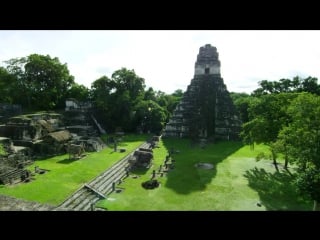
(165,59)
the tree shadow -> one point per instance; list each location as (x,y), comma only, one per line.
(68,161)
(46,157)
(186,177)
(277,190)
(139,171)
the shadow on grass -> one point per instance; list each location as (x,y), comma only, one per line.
(128,138)
(46,157)
(139,171)
(122,144)
(185,177)
(276,190)
(67,160)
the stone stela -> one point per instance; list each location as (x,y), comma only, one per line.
(206,110)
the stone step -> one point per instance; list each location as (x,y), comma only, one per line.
(120,167)
(114,178)
(82,199)
(70,199)
(83,204)
(88,206)
(78,201)
(111,175)
(106,173)
(94,190)
(86,201)
(14,175)
(108,187)
(80,192)
(96,184)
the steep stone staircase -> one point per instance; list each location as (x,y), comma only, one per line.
(99,187)
(13,176)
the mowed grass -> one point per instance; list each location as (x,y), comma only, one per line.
(66,176)
(237,182)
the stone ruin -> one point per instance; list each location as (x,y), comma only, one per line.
(154,141)
(9,110)
(52,143)
(84,128)
(11,175)
(28,130)
(73,104)
(47,134)
(75,151)
(12,163)
(206,110)
(141,158)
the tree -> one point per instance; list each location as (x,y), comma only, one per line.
(79,92)
(122,111)
(310,84)
(167,102)
(49,80)
(20,93)
(102,91)
(302,135)
(128,80)
(267,116)
(8,87)
(116,98)
(42,80)
(150,94)
(123,102)
(302,141)
(308,182)
(149,116)
(173,100)
(177,93)
(241,101)
(297,84)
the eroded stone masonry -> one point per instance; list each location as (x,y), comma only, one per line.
(206,110)
(32,136)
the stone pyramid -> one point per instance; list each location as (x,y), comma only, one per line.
(206,110)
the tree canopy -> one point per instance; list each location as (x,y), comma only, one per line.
(42,81)
(285,115)
(122,101)
(297,84)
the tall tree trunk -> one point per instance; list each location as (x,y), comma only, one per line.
(304,166)
(275,164)
(251,145)
(316,206)
(286,161)
(274,158)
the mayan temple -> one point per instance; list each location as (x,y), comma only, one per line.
(206,110)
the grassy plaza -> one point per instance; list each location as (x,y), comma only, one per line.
(236,182)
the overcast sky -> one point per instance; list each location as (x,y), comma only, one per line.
(165,59)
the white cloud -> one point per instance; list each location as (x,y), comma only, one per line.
(165,59)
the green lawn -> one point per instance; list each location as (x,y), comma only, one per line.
(237,182)
(66,176)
